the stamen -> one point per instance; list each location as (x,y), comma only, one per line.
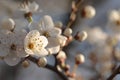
(13,47)
(30,45)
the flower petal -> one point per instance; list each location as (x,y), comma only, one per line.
(46,23)
(54,32)
(44,41)
(4,50)
(41,53)
(12,60)
(5,41)
(33,6)
(32,33)
(62,40)
(53,46)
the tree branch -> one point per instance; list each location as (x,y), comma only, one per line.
(73,13)
(50,67)
(115,72)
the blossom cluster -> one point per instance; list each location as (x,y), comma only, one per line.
(27,39)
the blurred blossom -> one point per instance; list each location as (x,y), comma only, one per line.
(95,35)
(42,37)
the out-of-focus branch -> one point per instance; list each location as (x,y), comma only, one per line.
(50,67)
(115,72)
(73,14)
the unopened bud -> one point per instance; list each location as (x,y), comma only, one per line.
(114,16)
(25,64)
(42,62)
(67,32)
(79,59)
(88,12)
(8,24)
(69,39)
(81,36)
(62,55)
(59,24)
(67,68)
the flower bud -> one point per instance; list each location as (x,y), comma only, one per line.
(67,68)
(88,12)
(42,62)
(59,24)
(79,59)
(8,24)
(114,16)
(81,36)
(67,32)
(62,55)
(69,39)
(25,64)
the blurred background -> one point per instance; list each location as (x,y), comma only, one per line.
(99,59)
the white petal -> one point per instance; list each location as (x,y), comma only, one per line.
(28,51)
(44,41)
(20,24)
(4,50)
(43,52)
(5,41)
(20,52)
(33,7)
(33,33)
(53,46)
(54,32)
(46,23)
(12,60)
(62,40)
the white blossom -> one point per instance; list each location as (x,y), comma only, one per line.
(96,35)
(34,44)
(12,46)
(89,11)
(46,27)
(30,7)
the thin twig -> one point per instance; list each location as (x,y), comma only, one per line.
(115,72)
(62,75)
(73,14)
(50,67)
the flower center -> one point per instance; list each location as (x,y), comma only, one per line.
(46,34)
(13,47)
(30,45)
